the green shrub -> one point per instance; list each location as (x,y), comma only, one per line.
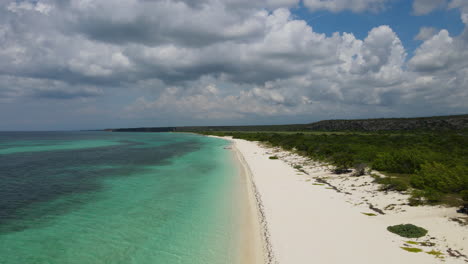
(427,196)
(392,184)
(404,161)
(417,198)
(342,161)
(408,230)
(432,196)
(464,195)
(273,157)
(439,177)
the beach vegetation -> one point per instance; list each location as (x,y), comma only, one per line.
(464,195)
(360,169)
(427,244)
(408,230)
(430,164)
(369,214)
(436,253)
(424,243)
(391,184)
(413,250)
(273,157)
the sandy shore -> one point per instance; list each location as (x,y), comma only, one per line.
(251,238)
(310,215)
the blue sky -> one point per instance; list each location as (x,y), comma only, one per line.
(82,64)
(399,15)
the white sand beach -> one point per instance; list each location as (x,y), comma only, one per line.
(308,221)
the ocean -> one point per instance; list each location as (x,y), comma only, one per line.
(101,197)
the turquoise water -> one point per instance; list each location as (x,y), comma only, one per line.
(97,197)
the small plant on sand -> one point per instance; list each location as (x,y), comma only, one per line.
(297,167)
(427,244)
(273,157)
(409,249)
(369,214)
(436,253)
(408,230)
(424,244)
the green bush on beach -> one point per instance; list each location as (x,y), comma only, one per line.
(408,230)
(392,184)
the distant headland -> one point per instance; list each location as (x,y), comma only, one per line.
(433,123)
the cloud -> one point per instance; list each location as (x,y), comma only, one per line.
(425,33)
(424,7)
(436,53)
(340,5)
(20,88)
(463,6)
(29,6)
(213,59)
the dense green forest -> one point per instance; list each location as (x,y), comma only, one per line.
(432,165)
(434,123)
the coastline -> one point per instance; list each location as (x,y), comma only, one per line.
(259,240)
(302,219)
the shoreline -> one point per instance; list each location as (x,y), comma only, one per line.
(303,220)
(257,215)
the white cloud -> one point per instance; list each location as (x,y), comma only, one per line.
(435,53)
(340,5)
(425,33)
(233,59)
(424,7)
(40,7)
(463,6)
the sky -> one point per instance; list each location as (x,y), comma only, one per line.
(93,64)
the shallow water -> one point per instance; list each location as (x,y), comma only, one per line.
(98,197)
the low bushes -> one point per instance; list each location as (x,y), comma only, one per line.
(408,230)
(392,184)
(404,161)
(342,162)
(464,195)
(439,177)
(434,163)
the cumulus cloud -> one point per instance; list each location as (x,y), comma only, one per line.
(424,7)
(425,33)
(340,5)
(230,59)
(435,53)
(463,6)
(29,6)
